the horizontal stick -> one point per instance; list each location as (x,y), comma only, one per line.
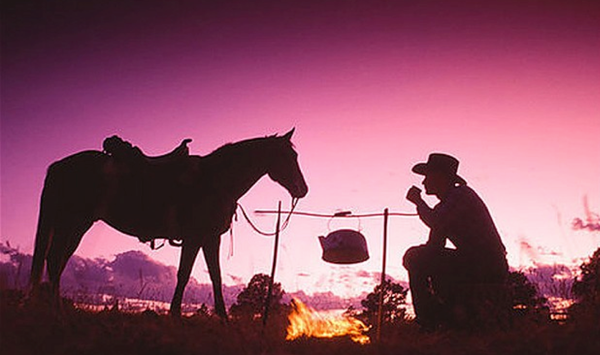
(344,214)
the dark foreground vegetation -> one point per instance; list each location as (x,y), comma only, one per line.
(25,329)
(527,328)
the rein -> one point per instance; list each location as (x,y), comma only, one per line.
(178,243)
(284,225)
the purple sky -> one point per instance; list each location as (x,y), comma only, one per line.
(372,87)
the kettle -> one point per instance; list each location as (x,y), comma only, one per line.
(344,246)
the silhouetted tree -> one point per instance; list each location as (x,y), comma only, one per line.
(251,301)
(586,289)
(14,267)
(394,300)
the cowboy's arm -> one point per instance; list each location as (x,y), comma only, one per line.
(438,219)
(447,213)
(426,214)
(436,239)
(429,216)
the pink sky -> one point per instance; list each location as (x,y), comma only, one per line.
(510,88)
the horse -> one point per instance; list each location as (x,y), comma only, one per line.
(189,199)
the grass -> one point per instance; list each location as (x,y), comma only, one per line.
(28,330)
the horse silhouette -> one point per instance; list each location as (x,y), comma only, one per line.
(179,197)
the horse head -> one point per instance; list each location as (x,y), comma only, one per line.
(284,168)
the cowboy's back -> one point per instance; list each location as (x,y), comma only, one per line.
(464,219)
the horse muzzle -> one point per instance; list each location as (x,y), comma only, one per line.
(299,190)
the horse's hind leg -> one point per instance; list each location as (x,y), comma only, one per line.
(65,241)
(211,255)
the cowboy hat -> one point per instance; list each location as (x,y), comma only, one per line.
(440,162)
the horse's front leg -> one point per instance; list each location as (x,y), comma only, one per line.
(211,255)
(189,251)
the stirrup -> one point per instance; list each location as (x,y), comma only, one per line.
(175,242)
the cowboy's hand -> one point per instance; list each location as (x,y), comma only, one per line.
(414,195)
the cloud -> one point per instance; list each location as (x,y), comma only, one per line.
(554,282)
(535,254)
(238,280)
(590,226)
(591,223)
(131,274)
(366,274)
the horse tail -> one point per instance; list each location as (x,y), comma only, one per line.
(45,228)
(64,185)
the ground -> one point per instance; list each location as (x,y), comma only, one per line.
(26,329)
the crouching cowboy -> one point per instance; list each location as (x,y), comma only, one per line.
(435,272)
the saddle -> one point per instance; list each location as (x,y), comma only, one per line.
(144,178)
(125,152)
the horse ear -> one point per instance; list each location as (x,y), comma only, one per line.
(289,135)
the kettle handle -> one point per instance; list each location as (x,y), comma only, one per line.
(343,214)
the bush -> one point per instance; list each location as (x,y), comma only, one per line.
(586,290)
(525,298)
(394,301)
(251,301)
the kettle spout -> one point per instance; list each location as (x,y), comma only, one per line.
(323,242)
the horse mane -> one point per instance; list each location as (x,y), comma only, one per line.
(229,150)
(244,143)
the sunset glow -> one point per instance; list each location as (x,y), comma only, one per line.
(511,88)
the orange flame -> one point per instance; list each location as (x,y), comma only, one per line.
(305,321)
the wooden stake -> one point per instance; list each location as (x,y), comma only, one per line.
(382,283)
(273,267)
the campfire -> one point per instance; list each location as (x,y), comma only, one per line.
(305,321)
